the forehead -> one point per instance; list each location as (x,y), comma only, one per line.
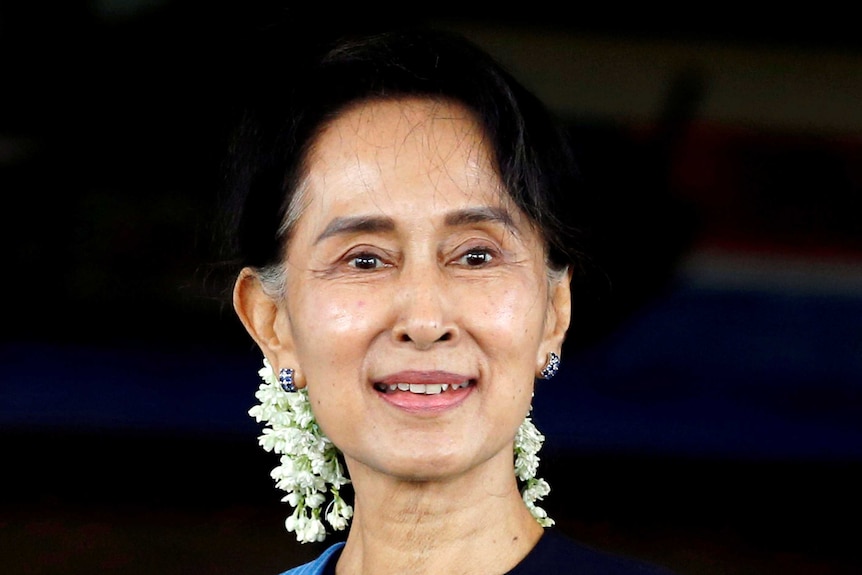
(391,145)
(376,121)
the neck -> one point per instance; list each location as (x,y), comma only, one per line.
(473,523)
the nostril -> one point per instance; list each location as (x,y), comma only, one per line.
(405,337)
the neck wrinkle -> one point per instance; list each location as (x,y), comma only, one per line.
(459,527)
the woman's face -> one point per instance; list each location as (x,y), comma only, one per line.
(418,307)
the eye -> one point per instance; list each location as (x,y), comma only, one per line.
(365,261)
(476,257)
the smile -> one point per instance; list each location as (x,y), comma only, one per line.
(421,388)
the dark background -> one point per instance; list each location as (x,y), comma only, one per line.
(707,416)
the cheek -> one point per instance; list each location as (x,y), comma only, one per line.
(332,344)
(513,312)
(330,321)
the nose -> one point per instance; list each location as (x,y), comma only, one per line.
(424,313)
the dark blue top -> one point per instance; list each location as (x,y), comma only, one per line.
(554,553)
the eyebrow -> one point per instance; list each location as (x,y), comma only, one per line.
(480,215)
(356,224)
(371,224)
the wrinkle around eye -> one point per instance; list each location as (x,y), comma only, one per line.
(378,258)
(345,265)
(346,274)
(493,251)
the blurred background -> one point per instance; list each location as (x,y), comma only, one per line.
(707,416)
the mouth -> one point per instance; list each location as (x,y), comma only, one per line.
(422,388)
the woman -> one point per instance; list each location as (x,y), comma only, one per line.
(406,273)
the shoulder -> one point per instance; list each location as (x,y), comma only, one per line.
(557,553)
(318,566)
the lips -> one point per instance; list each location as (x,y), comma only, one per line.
(421,388)
(423,382)
(425,393)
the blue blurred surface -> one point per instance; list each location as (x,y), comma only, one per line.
(700,372)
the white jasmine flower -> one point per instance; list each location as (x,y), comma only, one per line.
(339,512)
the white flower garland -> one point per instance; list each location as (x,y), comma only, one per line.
(528,442)
(309,461)
(309,464)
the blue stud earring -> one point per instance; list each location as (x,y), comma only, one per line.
(552,367)
(285,378)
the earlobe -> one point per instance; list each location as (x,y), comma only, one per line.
(261,315)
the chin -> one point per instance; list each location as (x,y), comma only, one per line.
(422,468)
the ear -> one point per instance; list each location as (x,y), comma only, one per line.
(264,319)
(558,317)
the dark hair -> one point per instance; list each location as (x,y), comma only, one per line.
(533,156)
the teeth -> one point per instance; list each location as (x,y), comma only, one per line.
(423,388)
